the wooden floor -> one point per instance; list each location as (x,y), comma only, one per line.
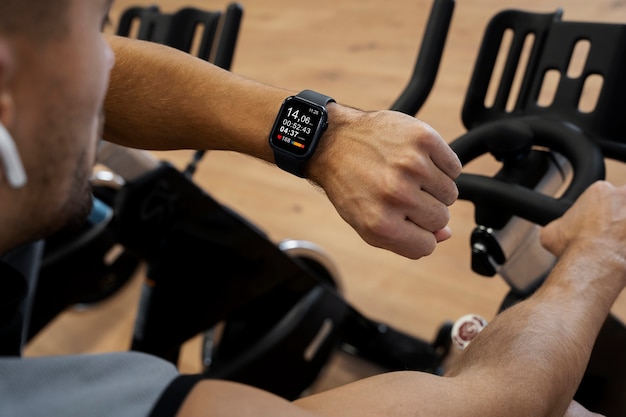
(361,52)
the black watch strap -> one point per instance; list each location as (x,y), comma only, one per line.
(287,162)
(315,97)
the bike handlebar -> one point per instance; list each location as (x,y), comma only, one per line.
(427,65)
(583,154)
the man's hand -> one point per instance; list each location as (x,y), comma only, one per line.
(390,176)
(597,220)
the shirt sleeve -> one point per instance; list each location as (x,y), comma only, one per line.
(122,384)
(174,395)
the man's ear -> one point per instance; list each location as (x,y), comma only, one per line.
(10,161)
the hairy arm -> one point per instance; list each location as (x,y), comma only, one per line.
(535,353)
(160,98)
(389,175)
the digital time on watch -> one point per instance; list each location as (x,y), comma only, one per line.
(300,123)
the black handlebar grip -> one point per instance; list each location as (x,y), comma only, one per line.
(581,151)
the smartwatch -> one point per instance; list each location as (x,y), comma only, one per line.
(300,123)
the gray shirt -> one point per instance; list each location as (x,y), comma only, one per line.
(124,384)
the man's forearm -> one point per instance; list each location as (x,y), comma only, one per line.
(160,98)
(538,350)
(389,175)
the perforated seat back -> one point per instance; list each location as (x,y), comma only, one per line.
(213,32)
(539,58)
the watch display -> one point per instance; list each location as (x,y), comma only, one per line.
(301,121)
(297,125)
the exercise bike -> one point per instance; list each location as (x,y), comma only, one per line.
(550,152)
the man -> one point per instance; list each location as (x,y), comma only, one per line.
(54,66)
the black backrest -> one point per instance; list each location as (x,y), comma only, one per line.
(553,45)
(214,32)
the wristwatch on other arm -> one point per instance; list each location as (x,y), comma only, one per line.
(298,128)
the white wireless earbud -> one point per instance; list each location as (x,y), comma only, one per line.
(10,160)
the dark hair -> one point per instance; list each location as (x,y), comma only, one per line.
(39,18)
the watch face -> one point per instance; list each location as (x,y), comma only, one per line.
(297,126)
